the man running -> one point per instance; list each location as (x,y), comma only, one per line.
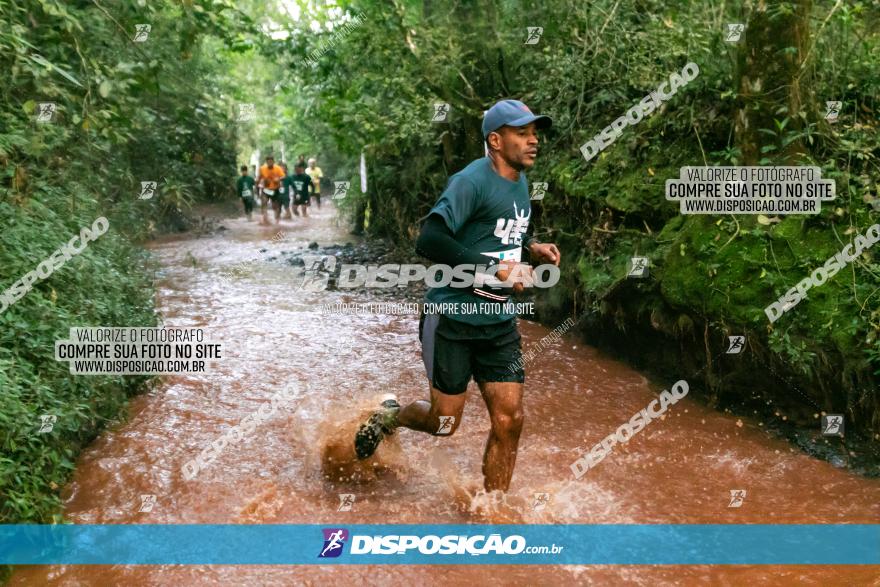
(270,180)
(299,184)
(284,193)
(480,219)
(245,188)
(316,174)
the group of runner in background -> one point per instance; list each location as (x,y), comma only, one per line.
(289,194)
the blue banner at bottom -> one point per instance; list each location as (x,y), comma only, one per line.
(719,544)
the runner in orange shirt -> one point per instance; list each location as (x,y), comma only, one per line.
(270,180)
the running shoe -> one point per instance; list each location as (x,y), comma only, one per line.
(381,424)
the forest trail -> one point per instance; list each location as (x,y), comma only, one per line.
(236,283)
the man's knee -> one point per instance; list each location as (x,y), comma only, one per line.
(507,421)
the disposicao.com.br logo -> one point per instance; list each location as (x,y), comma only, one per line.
(335,538)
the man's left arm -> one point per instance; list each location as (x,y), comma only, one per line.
(540,252)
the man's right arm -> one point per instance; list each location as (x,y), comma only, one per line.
(437,243)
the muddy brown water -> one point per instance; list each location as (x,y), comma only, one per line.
(678,470)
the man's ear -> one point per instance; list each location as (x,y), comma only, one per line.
(494,140)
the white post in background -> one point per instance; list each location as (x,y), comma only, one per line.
(363,174)
(255,162)
(485,146)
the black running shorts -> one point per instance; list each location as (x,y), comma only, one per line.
(455,351)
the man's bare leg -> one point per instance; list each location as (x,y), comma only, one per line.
(264,209)
(504,401)
(424,416)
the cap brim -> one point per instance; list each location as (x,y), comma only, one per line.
(540,121)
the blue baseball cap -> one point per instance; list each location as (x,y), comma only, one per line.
(511,113)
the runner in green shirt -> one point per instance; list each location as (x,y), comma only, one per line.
(299,185)
(245,188)
(481,219)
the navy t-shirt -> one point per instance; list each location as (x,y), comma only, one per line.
(299,184)
(489,214)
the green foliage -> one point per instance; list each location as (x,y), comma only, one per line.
(126,112)
(104,285)
(375,88)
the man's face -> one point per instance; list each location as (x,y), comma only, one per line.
(311,164)
(518,145)
(270,163)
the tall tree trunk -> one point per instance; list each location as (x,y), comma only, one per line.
(771,81)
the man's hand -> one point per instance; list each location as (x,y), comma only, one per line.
(545,252)
(520,275)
